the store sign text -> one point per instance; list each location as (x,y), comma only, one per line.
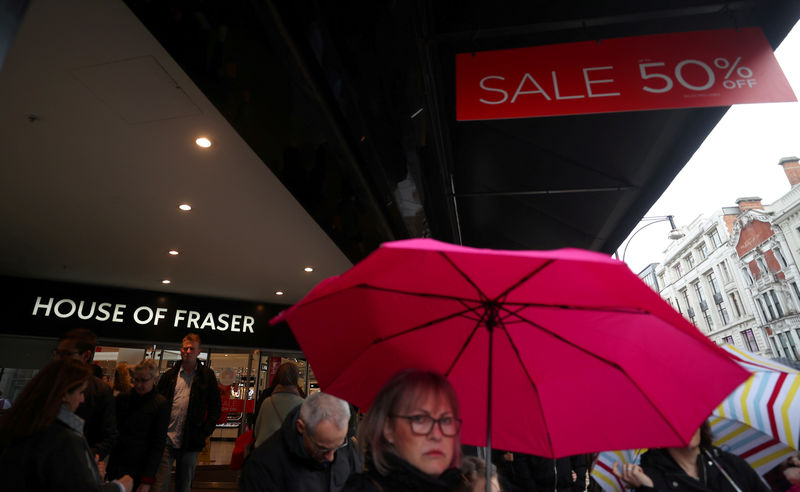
(661,71)
(141,315)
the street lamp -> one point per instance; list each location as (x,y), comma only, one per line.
(674,233)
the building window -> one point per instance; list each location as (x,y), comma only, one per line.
(719,300)
(728,339)
(750,340)
(775,346)
(761,308)
(678,269)
(678,305)
(796,291)
(768,303)
(661,282)
(762,266)
(690,260)
(735,305)
(780,258)
(715,241)
(777,303)
(689,310)
(746,272)
(726,276)
(703,251)
(788,348)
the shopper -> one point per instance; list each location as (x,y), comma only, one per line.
(310,452)
(142,419)
(411,436)
(97,410)
(285,397)
(122,379)
(193,394)
(42,446)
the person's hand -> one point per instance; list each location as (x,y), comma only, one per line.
(794,460)
(508,456)
(632,475)
(126,482)
(145,487)
(101,465)
(792,474)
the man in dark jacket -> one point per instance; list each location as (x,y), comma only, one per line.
(97,409)
(142,418)
(195,406)
(310,452)
(566,474)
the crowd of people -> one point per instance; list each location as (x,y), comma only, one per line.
(69,430)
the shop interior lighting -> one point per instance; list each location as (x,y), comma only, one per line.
(308,269)
(174,252)
(166,281)
(185,207)
(203,142)
(278,292)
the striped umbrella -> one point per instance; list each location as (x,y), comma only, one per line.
(768,400)
(759,421)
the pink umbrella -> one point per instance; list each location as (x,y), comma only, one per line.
(577,353)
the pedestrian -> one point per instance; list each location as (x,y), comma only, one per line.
(193,394)
(122,379)
(410,435)
(698,467)
(97,410)
(285,397)
(473,471)
(566,474)
(42,444)
(310,452)
(142,418)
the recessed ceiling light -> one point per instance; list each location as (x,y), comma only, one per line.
(278,292)
(203,142)
(166,281)
(185,207)
(308,269)
(174,252)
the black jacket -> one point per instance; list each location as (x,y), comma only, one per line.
(204,408)
(403,477)
(668,476)
(55,459)
(548,474)
(99,415)
(281,464)
(142,422)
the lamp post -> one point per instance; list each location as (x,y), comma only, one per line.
(674,233)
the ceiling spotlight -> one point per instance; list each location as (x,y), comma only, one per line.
(278,292)
(185,207)
(308,269)
(166,281)
(174,252)
(203,142)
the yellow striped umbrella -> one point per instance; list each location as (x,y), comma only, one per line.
(768,400)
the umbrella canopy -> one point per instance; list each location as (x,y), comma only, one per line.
(547,350)
(768,400)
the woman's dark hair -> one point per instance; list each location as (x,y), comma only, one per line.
(286,375)
(37,406)
(706,437)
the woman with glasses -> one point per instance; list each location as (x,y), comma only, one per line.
(410,436)
(42,446)
(142,419)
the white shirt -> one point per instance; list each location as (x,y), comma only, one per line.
(180,403)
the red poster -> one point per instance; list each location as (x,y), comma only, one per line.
(661,71)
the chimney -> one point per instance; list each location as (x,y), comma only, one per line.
(791,166)
(749,202)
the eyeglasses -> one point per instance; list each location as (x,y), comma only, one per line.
(64,353)
(422,424)
(323,451)
(141,380)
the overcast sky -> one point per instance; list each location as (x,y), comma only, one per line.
(739,158)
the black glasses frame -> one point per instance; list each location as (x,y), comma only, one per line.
(433,422)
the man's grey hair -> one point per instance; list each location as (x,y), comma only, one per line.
(322,406)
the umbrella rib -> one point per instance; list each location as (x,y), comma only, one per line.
(525,278)
(533,385)
(416,294)
(419,327)
(609,363)
(483,296)
(599,309)
(464,346)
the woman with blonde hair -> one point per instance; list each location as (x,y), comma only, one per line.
(42,446)
(410,436)
(122,379)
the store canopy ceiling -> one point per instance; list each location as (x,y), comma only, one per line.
(350,105)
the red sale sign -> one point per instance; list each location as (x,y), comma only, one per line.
(660,71)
